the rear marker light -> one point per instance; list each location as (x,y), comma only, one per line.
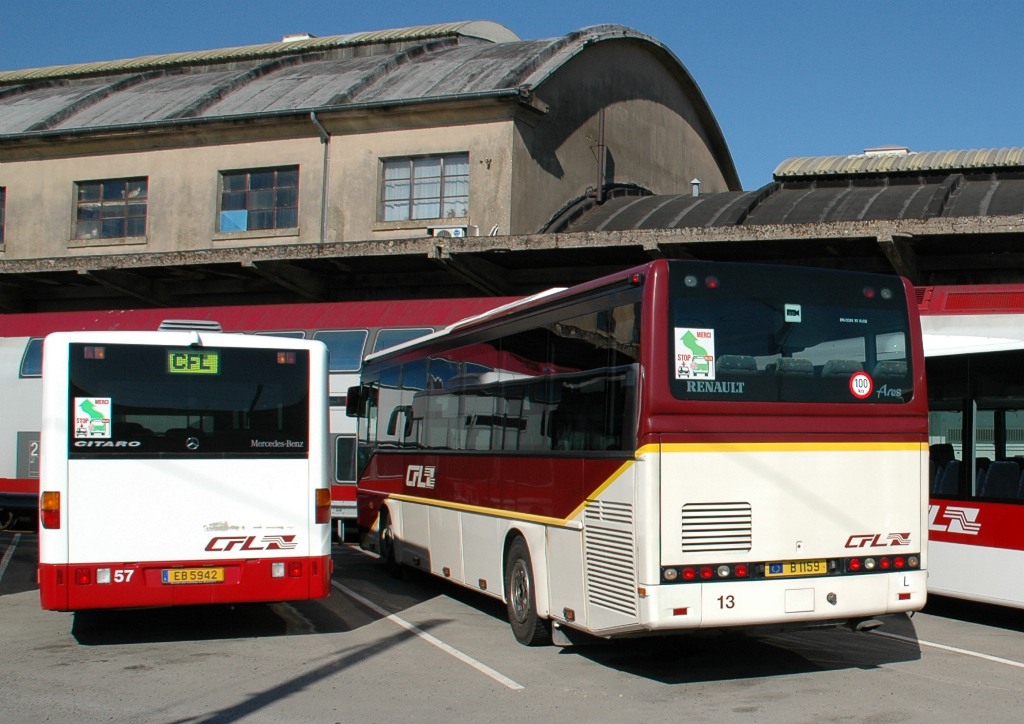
(49,509)
(680,611)
(904,596)
(323,505)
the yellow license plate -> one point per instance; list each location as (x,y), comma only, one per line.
(784,569)
(193,575)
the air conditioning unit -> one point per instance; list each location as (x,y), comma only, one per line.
(448,232)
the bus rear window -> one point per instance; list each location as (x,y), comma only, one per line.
(144,400)
(767,335)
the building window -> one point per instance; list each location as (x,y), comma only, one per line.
(425,187)
(266,198)
(3,216)
(112,209)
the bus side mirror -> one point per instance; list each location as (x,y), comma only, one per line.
(358,400)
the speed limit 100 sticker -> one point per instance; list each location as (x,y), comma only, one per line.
(861,385)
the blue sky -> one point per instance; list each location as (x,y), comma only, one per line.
(783,77)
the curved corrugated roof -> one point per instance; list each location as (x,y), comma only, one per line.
(892,161)
(380,68)
(886,186)
(482,29)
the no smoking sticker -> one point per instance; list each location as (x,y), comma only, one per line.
(861,385)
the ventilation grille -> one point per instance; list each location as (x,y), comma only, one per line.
(610,549)
(199,325)
(716,527)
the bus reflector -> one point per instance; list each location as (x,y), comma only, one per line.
(323,505)
(49,509)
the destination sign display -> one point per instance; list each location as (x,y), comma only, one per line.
(193,362)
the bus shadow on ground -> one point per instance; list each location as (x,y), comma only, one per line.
(184,623)
(985,614)
(700,657)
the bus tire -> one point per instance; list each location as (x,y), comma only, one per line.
(387,547)
(520,597)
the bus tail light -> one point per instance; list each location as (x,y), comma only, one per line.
(83,576)
(280,569)
(323,505)
(49,509)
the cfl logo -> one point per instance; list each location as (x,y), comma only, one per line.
(249,543)
(960,519)
(875,540)
(419,476)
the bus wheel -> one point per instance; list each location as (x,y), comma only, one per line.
(7,519)
(529,629)
(387,547)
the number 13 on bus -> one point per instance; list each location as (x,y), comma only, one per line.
(684,445)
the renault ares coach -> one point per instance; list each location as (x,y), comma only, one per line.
(974,342)
(182,467)
(685,445)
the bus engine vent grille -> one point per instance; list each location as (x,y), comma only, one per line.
(610,550)
(717,527)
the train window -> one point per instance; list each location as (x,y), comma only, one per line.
(32,360)
(393,337)
(345,347)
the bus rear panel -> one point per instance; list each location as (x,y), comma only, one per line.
(182,468)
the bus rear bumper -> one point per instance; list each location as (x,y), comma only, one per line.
(82,586)
(798,601)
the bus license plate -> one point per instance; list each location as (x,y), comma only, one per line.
(193,575)
(783,569)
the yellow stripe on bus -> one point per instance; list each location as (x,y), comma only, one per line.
(717,447)
(732,447)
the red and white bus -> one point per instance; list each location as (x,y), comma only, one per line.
(349,329)
(182,467)
(974,342)
(683,445)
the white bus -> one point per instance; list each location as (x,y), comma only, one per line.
(974,343)
(682,445)
(182,467)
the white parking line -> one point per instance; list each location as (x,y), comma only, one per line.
(465,658)
(9,554)
(953,649)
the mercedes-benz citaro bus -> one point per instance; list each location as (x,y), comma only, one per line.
(182,467)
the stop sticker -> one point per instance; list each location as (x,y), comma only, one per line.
(861,385)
